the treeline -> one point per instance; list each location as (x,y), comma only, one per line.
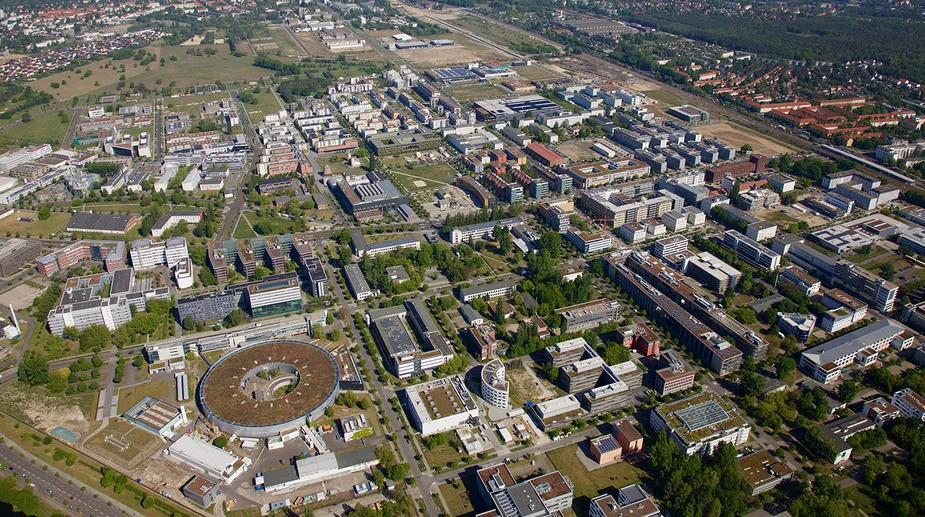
(713,485)
(424,29)
(811,168)
(822,38)
(28,98)
(262,61)
(482,216)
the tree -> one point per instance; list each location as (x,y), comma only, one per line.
(616,353)
(189,323)
(58,381)
(551,244)
(199,254)
(94,337)
(847,391)
(784,366)
(44,213)
(70,333)
(329,318)
(220,442)
(887,271)
(234,318)
(344,255)
(33,370)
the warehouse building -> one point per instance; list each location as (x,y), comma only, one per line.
(212,461)
(89,222)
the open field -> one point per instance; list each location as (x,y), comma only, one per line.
(875,251)
(661,100)
(737,135)
(476,91)
(496,33)
(105,76)
(190,70)
(41,129)
(535,73)
(591,484)
(579,152)
(266,104)
(128,397)
(286,45)
(193,102)
(124,442)
(243,230)
(12,225)
(423,176)
(313,44)
(445,56)
(457,500)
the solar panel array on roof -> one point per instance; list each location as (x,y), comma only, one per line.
(607,444)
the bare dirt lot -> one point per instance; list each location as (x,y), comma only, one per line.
(578,152)
(736,135)
(536,73)
(313,44)
(465,51)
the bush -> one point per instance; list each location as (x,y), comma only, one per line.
(220,442)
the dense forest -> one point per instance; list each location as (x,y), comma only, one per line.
(825,38)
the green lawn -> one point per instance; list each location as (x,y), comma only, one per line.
(45,128)
(875,251)
(12,224)
(128,397)
(591,484)
(780,219)
(266,104)
(457,500)
(442,456)
(286,44)
(474,92)
(243,230)
(190,70)
(666,99)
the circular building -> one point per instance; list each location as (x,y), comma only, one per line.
(494,387)
(269,387)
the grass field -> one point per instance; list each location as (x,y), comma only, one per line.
(457,500)
(313,44)
(431,175)
(475,92)
(106,77)
(128,397)
(444,456)
(591,484)
(875,251)
(193,102)
(737,135)
(190,70)
(535,73)
(266,104)
(243,230)
(286,45)
(41,129)
(493,32)
(12,225)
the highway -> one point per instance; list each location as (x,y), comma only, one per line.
(89,503)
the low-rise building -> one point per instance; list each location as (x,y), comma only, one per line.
(700,423)
(880,410)
(631,501)
(201,490)
(825,362)
(440,405)
(763,472)
(798,325)
(205,457)
(584,316)
(910,404)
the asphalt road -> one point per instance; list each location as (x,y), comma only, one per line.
(68,495)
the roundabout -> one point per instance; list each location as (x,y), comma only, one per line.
(267,388)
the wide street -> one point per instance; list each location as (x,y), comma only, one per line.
(60,488)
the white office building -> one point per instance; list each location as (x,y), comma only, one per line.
(825,362)
(146,254)
(494,386)
(205,457)
(441,405)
